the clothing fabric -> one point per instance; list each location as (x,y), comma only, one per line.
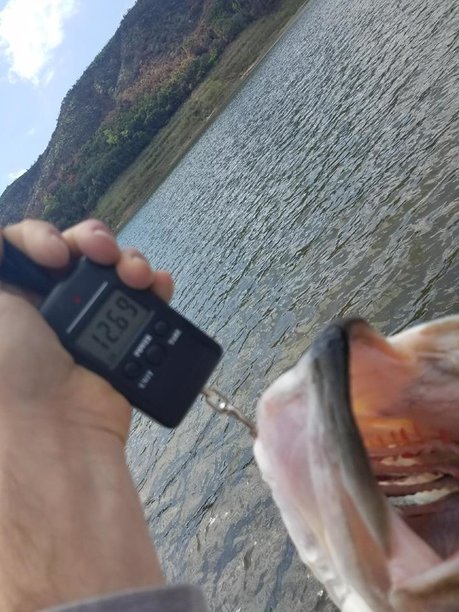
(183,598)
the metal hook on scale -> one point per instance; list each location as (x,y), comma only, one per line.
(222,405)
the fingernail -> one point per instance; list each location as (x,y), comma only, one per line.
(134,254)
(102,231)
(100,228)
(137,256)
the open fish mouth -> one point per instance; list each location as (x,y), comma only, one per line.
(405,401)
(360,446)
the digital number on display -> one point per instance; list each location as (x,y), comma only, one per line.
(112,328)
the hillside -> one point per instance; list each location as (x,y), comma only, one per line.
(157,57)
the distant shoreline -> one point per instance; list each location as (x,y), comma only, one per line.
(132,188)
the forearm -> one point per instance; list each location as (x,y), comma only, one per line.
(71,525)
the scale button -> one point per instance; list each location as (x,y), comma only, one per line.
(132,369)
(155,354)
(161,328)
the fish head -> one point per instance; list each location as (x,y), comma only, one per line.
(359,443)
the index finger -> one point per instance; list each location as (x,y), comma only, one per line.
(93,239)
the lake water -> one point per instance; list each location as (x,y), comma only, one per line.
(329,186)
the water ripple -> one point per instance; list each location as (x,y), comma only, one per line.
(328,187)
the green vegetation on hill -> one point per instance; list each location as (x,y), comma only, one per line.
(126,103)
(131,189)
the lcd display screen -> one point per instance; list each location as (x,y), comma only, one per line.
(112,328)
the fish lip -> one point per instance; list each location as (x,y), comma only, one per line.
(329,360)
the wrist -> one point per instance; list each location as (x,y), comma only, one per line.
(71,524)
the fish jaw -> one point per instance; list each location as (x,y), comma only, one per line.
(300,463)
(282,460)
(315,459)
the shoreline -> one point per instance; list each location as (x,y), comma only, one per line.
(128,194)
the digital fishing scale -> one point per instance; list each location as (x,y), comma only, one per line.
(151,354)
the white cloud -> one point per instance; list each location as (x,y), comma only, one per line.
(30,30)
(32,131)
(12,176)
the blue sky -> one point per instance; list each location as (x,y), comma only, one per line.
(45,45)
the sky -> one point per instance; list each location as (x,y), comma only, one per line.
(45,46)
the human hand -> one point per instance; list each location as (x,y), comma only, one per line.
(71,525)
